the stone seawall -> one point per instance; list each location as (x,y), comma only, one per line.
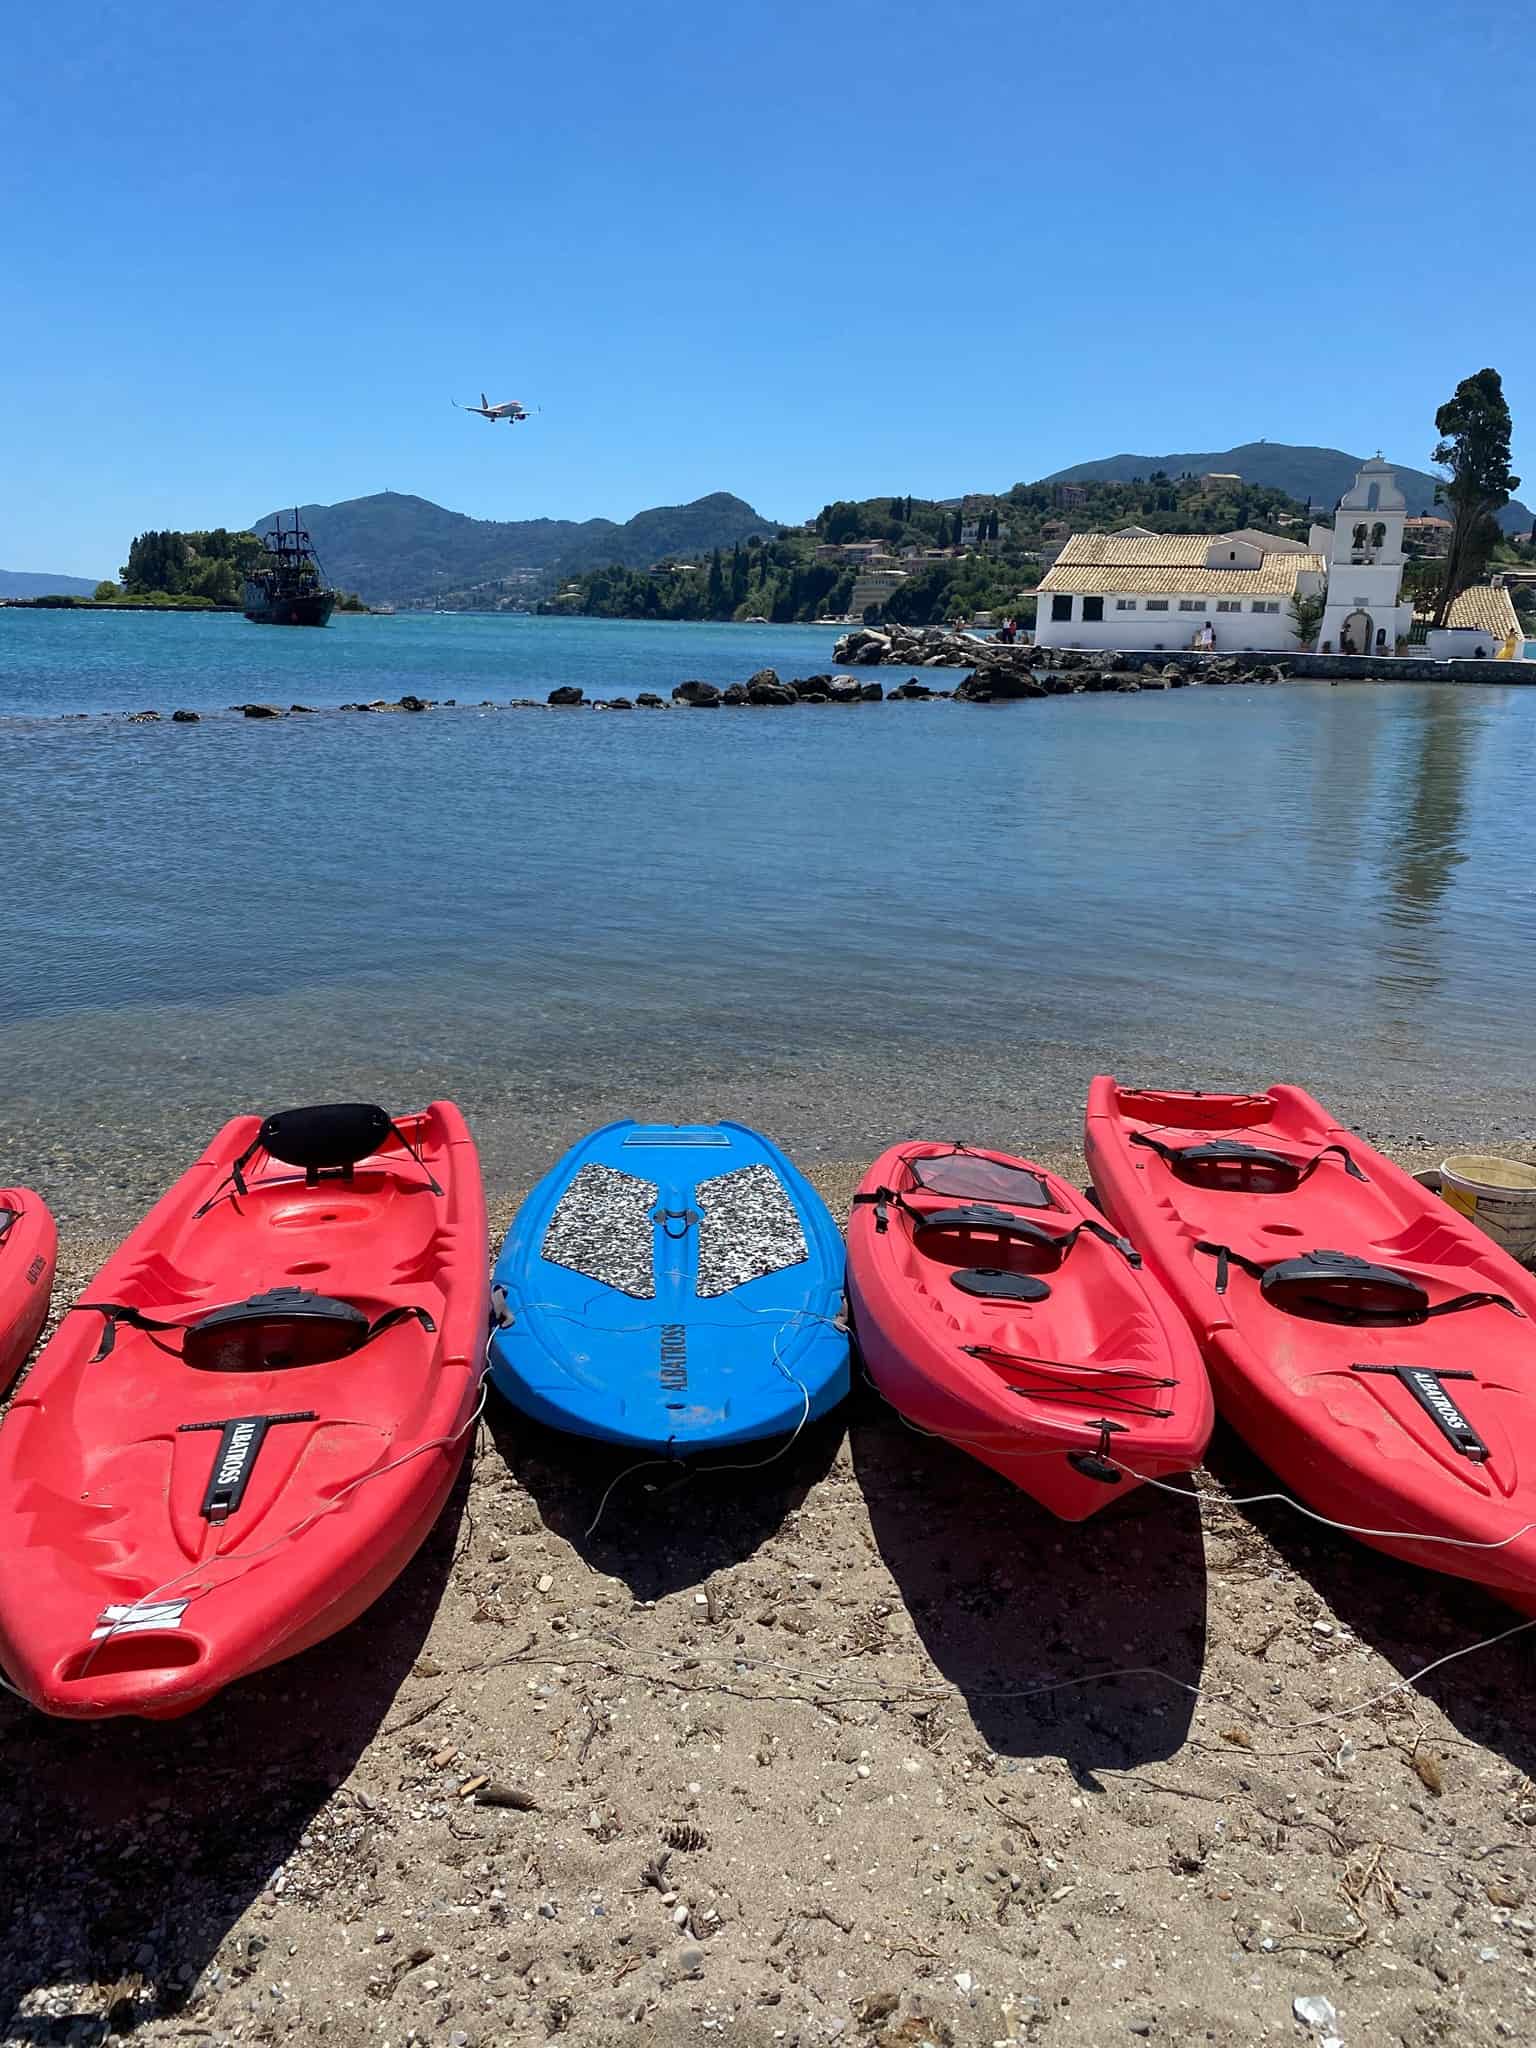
(934,647)
(1354,668)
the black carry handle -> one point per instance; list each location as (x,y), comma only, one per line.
(281,1303)
(1402,1297)
(1217,1152)
(1019,1227)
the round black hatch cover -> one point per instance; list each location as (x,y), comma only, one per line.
(993,1284)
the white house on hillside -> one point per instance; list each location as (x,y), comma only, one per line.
(1135,589)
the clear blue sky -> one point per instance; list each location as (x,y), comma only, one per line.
(795,251)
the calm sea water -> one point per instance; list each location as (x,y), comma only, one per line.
(847,925)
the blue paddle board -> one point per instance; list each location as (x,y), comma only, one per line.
(672,1287)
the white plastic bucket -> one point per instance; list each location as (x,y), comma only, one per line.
(1498,1194)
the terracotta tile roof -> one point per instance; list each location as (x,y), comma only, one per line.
(1275,578)
(1173,564)
(1485,608)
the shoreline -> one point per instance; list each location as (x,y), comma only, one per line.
(889,1771)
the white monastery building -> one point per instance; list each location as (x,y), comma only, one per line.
(1139,590)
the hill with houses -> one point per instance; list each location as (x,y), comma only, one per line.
(1318,476)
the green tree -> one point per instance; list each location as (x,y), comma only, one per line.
(1474,429)
(1307,616)
(107,593)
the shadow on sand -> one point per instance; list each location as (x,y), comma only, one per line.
(138,1844)
(669,1525)
(1408,1614)
(1006,1598)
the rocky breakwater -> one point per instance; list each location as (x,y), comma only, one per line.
(766,689)
(927,647)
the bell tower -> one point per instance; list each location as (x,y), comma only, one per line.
(1365,566)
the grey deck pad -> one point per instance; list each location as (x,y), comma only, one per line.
(602,1227)
(749,1227)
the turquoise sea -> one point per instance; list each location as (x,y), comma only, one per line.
(844,924)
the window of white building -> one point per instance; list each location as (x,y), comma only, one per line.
(1260,605)
(1229,604)
(1157,604)
(1125,604)
(1191,604)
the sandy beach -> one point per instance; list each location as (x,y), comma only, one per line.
(863,1747)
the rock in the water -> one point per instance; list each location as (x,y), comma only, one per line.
(143,717)
(765,677)
(845,690)
(1002,683)
(872,693)
(302,707)
(815,697)
(734,694)
(620,704)
(566,694)
(425,703)
(186,718)
(1127,683)
(649,701)
(259,710)
(911,690)
(759,692)
(696,694)
(808,686)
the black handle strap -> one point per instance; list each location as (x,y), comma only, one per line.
(981,1217)
(1216,1151)
(116,1313)
(1257,1269)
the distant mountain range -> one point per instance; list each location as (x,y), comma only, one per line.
(1321,474)
(35,583)
(393,548)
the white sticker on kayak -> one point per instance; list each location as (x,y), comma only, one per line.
(122,1621)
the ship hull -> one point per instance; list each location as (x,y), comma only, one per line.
(314,610)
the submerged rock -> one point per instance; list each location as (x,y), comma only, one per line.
(649,701)
(186,718)
(259,710)
(697,694)
(618,704)
(143,717)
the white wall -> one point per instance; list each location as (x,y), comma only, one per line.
(1459,643)
(1172,629)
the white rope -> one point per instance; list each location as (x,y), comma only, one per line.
(795,1315)
(1246,1500)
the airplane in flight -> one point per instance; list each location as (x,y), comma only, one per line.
(509,410)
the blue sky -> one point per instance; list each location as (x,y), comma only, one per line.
(794,251)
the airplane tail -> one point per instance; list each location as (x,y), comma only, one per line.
(485,403)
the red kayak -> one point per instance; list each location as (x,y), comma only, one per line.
(1370,1343)
(246,1428)
(995,1309)
(28,1246)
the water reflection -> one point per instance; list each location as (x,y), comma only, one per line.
(1424,843)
